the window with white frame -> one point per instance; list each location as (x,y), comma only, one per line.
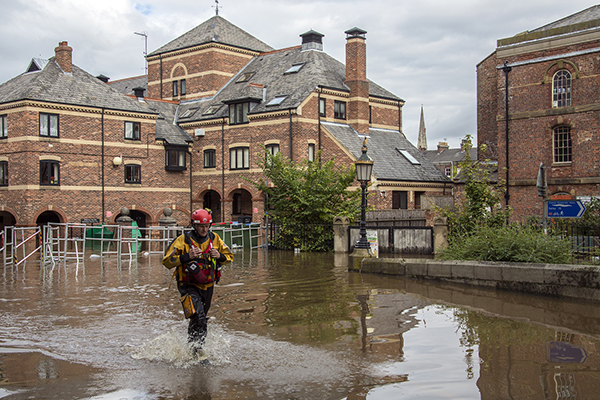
(48,125)
(272,148)
(239,158)
(182,86)
(561,89)
(49,172)
(562,145)
(132,130)
(175,88)
(133,173)
(311,152)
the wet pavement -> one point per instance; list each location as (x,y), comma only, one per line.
(286,326)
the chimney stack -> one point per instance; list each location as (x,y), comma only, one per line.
(442,146)
(312,40)
(64,57)
(356,80)
(139,92)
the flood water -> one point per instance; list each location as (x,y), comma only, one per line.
(286,326)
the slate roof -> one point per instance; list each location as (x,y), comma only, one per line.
(166,129)
(126,85)
(52,85)
(589,14)
(382,147)
(319,69)
(448,156)
(216,29)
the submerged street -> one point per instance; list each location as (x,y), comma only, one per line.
(286,326)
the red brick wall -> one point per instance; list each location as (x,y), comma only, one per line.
(198,62)
(532,120)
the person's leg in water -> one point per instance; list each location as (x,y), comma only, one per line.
(197,328)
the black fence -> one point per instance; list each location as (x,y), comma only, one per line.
(583,236)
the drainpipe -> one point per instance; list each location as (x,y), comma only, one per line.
(507,68)
(291,143)
(399,117)
(320,90)
(191,180)
(102,129)
(161,77)
(223,170)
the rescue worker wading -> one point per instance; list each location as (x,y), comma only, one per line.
(197,256)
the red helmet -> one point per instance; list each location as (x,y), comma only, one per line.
(201,217)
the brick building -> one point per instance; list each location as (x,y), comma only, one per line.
(187,135)
(543,88)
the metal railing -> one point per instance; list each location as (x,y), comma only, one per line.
(62,242)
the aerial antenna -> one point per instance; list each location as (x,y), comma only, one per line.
(145,35)
(216,6)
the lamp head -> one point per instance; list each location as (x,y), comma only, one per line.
(364,165)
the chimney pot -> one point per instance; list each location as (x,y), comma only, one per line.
(64,56)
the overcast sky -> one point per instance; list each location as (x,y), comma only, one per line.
(423,51)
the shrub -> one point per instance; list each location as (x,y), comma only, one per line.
(511,243)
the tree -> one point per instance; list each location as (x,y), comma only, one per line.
(303,198)
(481,203)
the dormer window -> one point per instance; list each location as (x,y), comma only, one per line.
(294,68)
(277,100)
(245,77)
(238,112)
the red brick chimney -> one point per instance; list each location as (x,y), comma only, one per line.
(356,80)
(64,56)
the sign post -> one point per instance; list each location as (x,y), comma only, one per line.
(565,209)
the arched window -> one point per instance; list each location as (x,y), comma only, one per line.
(562,144)
(561,89)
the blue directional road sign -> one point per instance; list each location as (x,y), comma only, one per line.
(565,208)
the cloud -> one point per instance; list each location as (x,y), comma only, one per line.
(425,52)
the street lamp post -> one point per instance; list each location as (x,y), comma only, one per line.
(364,167)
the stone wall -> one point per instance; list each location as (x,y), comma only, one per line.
(559,280)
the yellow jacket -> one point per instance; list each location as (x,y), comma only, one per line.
(177,255)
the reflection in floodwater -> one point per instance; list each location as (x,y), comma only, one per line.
(286,326)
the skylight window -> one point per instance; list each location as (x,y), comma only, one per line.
(212,109)
(245,77)
(188,113)
(294,68)
(409,156)
(277,100)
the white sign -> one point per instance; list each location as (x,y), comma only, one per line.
(373,243)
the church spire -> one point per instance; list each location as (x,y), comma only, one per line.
(422,140)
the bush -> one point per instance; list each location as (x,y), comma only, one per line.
(511,243)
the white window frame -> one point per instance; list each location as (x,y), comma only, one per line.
(561,89)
